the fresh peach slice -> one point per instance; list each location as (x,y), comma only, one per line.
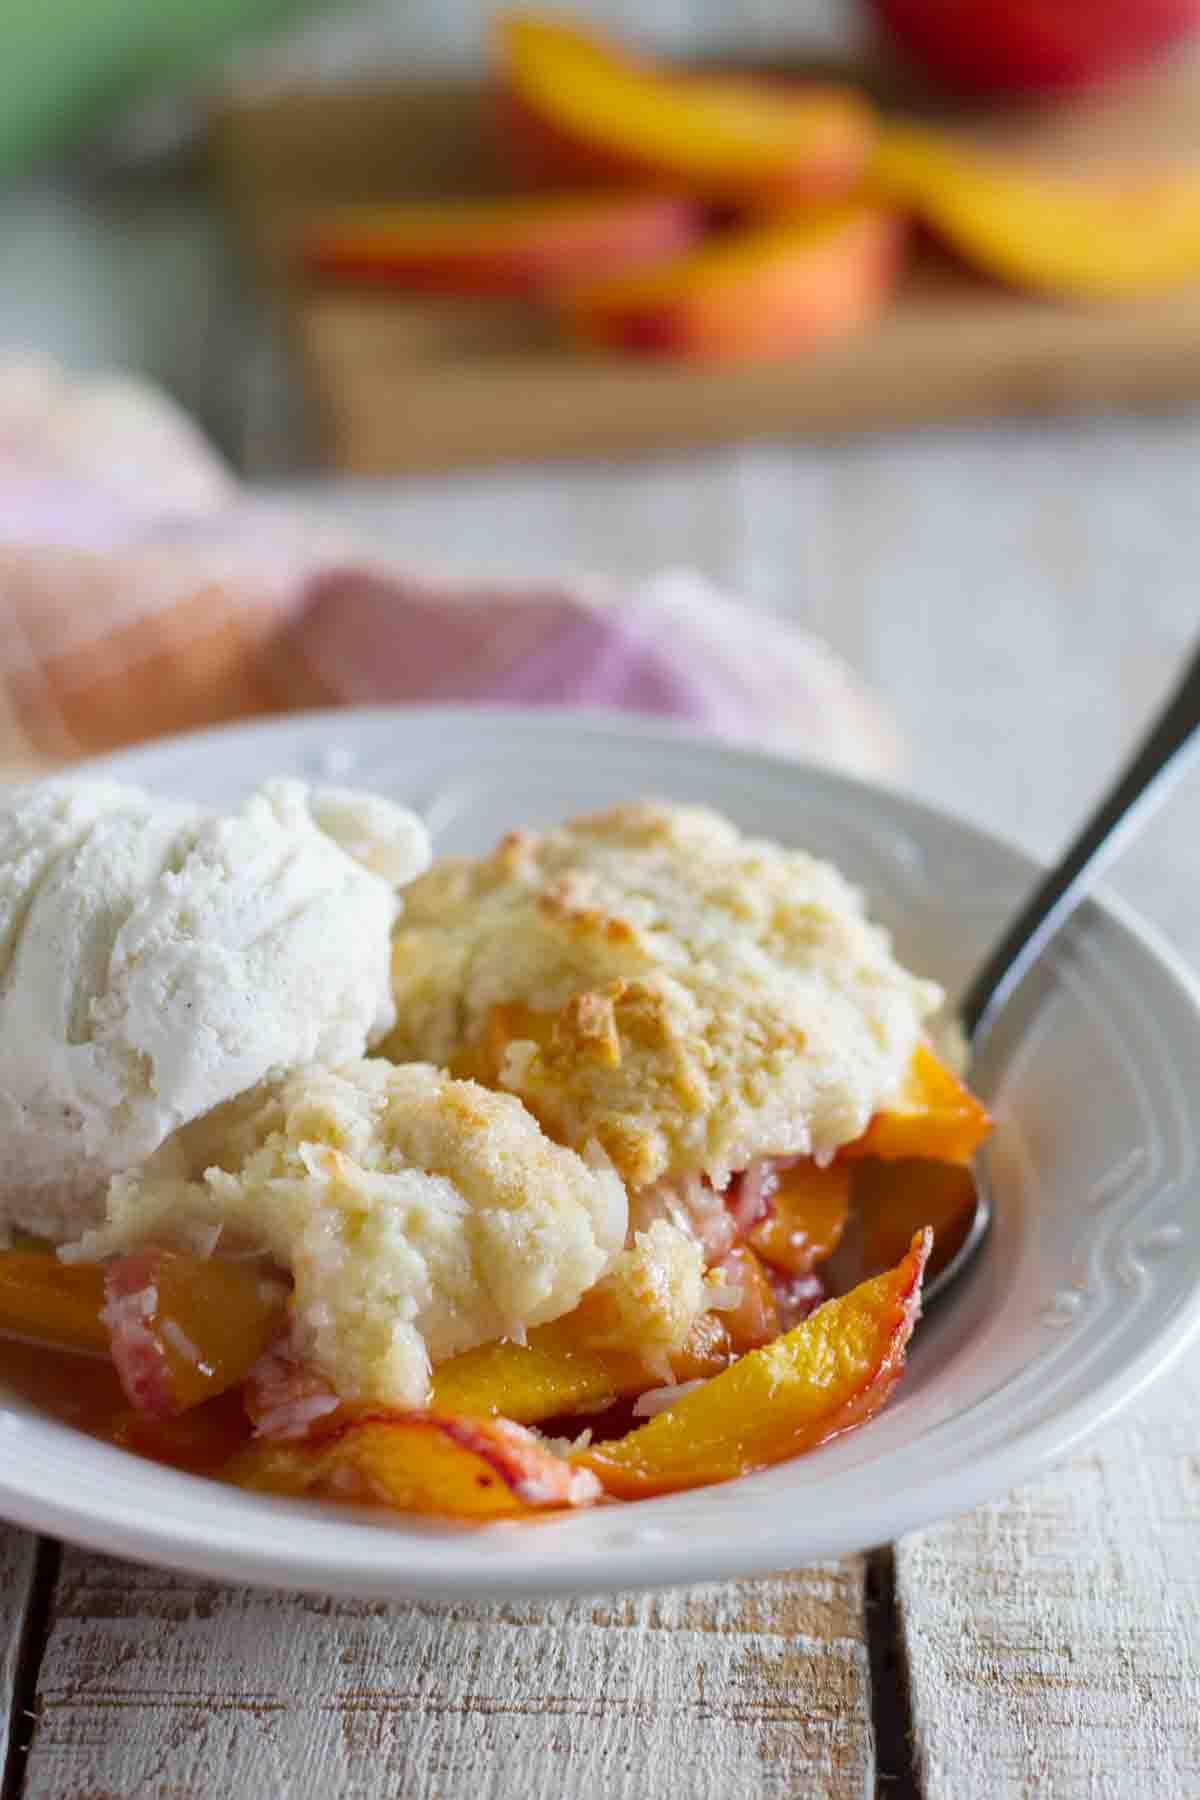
(808,1213)
(761,291)
(44,1299)
(933,1116)
(1099,235)
(575,106)
(431,1462)
(501,246)
(828,1374)
(183,1328)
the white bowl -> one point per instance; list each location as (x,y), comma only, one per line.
(1087,1287)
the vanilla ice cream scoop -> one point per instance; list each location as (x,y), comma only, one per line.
(157,958)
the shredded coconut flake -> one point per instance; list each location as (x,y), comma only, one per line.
(293,1418)
(661,1399)
(179,1340)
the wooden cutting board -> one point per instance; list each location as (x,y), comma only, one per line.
(405,384)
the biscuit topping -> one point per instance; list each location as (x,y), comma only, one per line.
(651,980)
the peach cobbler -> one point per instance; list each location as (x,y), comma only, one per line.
(635,1194)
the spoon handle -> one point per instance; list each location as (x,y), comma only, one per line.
(1169,744)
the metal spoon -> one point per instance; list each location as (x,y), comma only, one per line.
(1164,753)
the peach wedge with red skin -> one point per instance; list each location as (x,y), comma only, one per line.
(419,1462)
(759,292)
(502,246)
(184,1329)
(830,1373)
(1103,234)
(575,106)
(180,1329)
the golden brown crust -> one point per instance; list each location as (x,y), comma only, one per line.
(648,979)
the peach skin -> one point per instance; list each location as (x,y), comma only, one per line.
(831,1372)
(502,246)
(761,291)
(1099,235)
(574,106)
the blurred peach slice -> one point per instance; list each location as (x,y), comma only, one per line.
(501,246)
(762,291)
(1099,234)
(830,1373)
(575,106)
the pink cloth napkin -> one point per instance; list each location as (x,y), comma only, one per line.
(142,591)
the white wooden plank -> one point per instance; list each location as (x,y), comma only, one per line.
(153,1683)
(1054,1638)
(18,1554)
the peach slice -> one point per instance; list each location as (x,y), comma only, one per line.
(572,1364)
(1100,235)
(51,1302)
(808,1213)
(830,1373)
(935,1116)
(545,1376)
(892,1199)
(761,291)
(576,106)
(502,246)
(754,1321)
(184,1329)
(430,1462)
(180,1329)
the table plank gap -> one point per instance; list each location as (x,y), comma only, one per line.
(28,1574)
(891,1715)
(1053,1638)
(756,1687)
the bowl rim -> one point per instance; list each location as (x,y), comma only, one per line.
(225,1551)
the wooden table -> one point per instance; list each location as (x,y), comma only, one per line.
(1021,597)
